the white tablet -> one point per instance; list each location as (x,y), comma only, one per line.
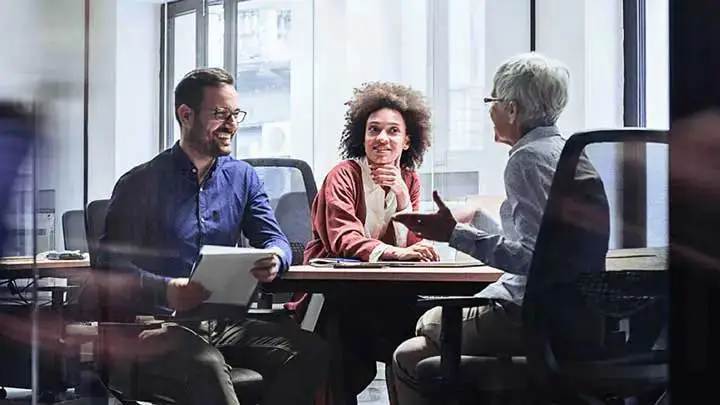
(225,272)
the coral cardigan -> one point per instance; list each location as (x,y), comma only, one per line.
(338,215)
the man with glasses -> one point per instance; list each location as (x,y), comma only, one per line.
(160,215)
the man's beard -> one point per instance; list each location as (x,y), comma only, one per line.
(203,145)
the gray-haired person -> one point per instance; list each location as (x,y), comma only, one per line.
(529,93)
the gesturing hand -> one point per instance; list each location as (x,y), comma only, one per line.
(437,226)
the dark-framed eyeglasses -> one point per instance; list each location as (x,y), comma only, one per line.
(222,114)
(492,100)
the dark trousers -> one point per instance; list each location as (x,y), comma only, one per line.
(193,369)
(369,328)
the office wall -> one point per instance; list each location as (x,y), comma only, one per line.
(101,97)
(42,61)
(137,84)
(124,89)
(19,48)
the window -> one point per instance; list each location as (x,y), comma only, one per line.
(265,36)
(470,39)
(658,116)
(184,52)
(195,31)
(267,45)
(297,61)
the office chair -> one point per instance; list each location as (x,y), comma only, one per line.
(572,306)
(73,225)
(248,384)
(290,183)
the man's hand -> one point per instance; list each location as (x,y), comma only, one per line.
(438,226)
(265,270)
(390,176)
(183,294)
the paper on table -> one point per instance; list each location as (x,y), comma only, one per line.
(225,272)
(355,264)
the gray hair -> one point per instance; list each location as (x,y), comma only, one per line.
(539,86)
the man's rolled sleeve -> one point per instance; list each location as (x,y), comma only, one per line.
(466,239)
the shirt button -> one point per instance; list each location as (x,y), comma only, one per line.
(194,170)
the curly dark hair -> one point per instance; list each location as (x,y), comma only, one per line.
(373,96)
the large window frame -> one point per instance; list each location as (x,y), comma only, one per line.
(167,34)
(634,186)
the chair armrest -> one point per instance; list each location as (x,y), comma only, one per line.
(451,330)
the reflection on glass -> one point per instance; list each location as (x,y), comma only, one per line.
(184,55)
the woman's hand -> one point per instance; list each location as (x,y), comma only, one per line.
(390,176)
(428,250)
(418,252)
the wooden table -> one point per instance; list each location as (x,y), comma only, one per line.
(435,280)
(653,259)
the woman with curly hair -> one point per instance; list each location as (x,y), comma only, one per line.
(387,131)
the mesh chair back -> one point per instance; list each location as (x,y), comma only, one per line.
(290,184)
(293,214)
(73,224)
(572,242)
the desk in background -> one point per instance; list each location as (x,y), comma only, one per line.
(22,267)
(54,368)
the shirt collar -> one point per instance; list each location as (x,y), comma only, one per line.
(368,183)
(186,166)
(534,135)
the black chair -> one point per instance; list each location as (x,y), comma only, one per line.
(571,310)
(73,225)
(291,187)
(248,384)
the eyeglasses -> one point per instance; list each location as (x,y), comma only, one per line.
(492,99)
(222,114)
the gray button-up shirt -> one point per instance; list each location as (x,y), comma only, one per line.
(528,176)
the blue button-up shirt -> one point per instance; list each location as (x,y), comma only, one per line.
(160,216)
